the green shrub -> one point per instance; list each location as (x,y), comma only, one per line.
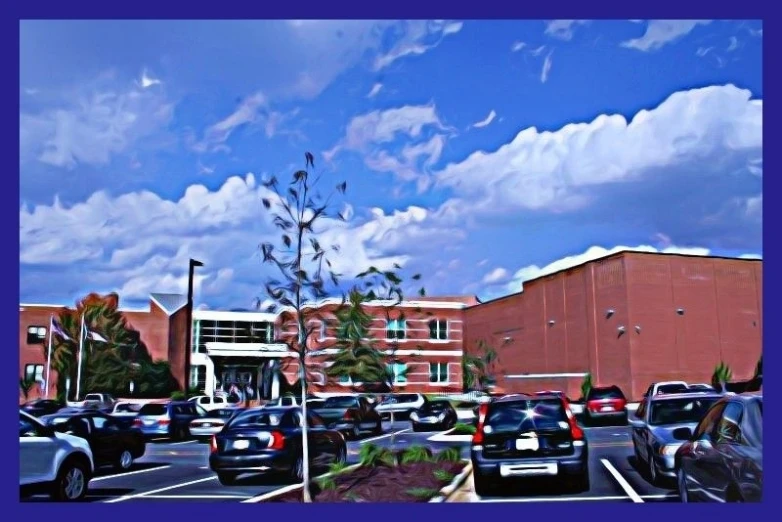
(449,455)
(415,454)
(586,386)
(178,396)
(722,374)
(422,493)
(374,456)
(463,429)
(445,476)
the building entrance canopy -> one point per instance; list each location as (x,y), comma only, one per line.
(266,350)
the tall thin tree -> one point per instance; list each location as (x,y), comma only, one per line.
(304,269)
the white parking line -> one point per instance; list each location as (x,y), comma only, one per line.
(384,436)
(186,497)
(181,442)
(571,499)
(154,491)
(635,497)
(105,477)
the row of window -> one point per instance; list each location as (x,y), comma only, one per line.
(36,334)
(438,373)
(33,372)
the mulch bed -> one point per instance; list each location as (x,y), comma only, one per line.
(415,482)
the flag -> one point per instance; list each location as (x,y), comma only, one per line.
(95,336)
(59,330)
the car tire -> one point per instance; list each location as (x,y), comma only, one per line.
(681,481)
(342,455)
(580,483)
(71,483)
(297,470)
(651,469)
(483,485)
(379,428)
(227,479)
(124,460)
(415,427)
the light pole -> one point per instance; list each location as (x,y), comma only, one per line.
(189,332)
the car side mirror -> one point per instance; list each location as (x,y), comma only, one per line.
(682,434)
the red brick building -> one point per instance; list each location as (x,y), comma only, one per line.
(628,319)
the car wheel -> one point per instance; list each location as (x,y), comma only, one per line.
(297,470)
(125,460)
(342,455)
(415,427)
(637,455)
(681,480)
(581,483)
(379,428)
(483,485)
(652,468)
(227,479)
(71,483)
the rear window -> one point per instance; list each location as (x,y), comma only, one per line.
(672,388)
(153,409)
(678,411)
(527,415)
(437,405)
(259,419)
(401,398)
(126,408)
(340,402)
(611,392)
(93,397)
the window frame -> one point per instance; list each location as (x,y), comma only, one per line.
(438,331)
(396,381)
(32,375)
(34,334)
(399,329)
(439,382)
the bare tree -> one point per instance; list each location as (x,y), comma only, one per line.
(304,269)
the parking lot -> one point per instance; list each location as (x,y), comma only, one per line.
(178,471)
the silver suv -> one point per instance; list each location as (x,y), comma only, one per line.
(59,464)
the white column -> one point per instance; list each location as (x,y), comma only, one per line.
(209,385)
(275,381)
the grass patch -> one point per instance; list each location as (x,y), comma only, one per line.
(415,454)
(463,429)
(449,455)
(445,476)
(372,456)
(422,493)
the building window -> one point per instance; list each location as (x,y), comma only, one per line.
(399,372)
(438,329)
(33,372)
(198,377)
(438,373)
(395,329)
(232,332)
(345,380)
(36,334)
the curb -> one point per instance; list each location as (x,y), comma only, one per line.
(293,487)
(456,483)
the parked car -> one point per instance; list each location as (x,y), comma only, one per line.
(280,402)
(351,415)
(268,440)
(659,388)
(722,459)
(58,464)
(605,404)
(702,387)
(211,423)
(654,424)
(111,443)
(437,414)
(528,436)
(169,420)
(467,412)
(40,407)
(401,404)
(211,403)
(315,404)
(99,401)
(125,413)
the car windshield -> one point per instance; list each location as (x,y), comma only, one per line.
(679,411)
(153,409)
(126,408)
(93,397)
(527,415)
(262,419)
(668,389)
(436,406)
(597,394)
(401,398)
(340,402)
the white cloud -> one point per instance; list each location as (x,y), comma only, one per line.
(407,166)
(546,68)
(93,123)
(704,128)
(530,272)
(375,90)
(417,37)
(203,169)
(147,81)
(563,29)
(95,245)
(495,276)
(486,121)
(661,32)
(247,113)
(517,46)
(537,51)
(703,51)
(733,45)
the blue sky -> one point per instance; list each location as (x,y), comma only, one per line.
(479,153)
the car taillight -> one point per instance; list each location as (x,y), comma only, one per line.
(277,440)
(164,422)
(213,444)
(137,423)
(575,430)
(477,438)
(348,415)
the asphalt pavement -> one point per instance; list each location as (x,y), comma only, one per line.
(178,471)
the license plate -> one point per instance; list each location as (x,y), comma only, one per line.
(206,425)
(429,419)
(531,444)
(241,444)
(607,408)
(149,422)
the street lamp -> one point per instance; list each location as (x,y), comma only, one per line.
(189,332)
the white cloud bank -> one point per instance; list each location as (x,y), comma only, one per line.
(662,32)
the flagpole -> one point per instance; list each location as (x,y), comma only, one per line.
(81,350)
(49,358)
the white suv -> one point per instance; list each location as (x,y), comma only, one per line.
(55,463)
